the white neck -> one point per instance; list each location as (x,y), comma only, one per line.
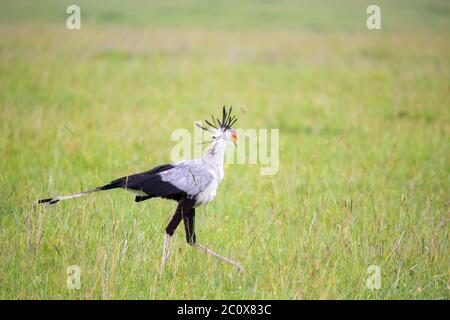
(215,154)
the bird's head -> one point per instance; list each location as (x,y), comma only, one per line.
(231,135)
(222,129)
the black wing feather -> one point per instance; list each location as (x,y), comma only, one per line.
(150,182)
(135,181)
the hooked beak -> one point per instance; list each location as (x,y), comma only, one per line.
(234,139)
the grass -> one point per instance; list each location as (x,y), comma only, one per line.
(364,151)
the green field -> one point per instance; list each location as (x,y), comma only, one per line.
(364,124)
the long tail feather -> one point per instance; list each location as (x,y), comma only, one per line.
(70,196)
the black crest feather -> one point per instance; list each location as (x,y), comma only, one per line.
(226,123)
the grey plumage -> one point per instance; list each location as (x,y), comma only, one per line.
(192,177)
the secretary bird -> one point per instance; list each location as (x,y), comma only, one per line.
(190,182)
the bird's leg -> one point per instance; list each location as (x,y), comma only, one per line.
(215,254)
(165,254)
(189,219)
(170,229)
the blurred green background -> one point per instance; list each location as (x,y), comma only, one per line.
(364,147)
(270,15)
